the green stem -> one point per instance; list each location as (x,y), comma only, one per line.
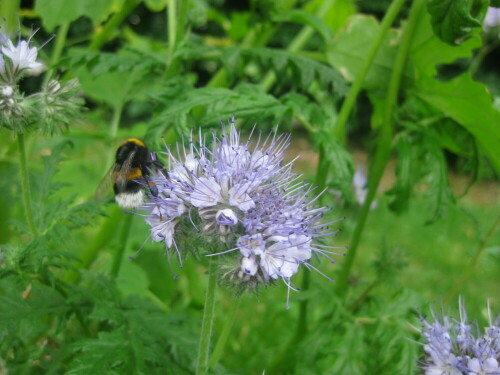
(345,111)
(176,14)
(122,245)
(353,306)
(339,131)
(172,30)
(207,322)
(482,245)
(25,184)
(382,153)
(283,357)
(115,121)
(104,35)
(61,35)
(224,335)
(302,320)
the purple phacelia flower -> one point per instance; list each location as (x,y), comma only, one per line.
(452,349)
(244,199)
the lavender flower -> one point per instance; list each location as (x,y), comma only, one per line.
(492,20)
(452,349)
(243,199)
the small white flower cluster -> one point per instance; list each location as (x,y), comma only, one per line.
(452,349)
(16,60)
(244,196)
(52,109)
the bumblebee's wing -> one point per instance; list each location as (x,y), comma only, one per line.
(121,176)
(104,187)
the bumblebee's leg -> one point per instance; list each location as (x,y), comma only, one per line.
(154,191)
(161,167)
(151,185)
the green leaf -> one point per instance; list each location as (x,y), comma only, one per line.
(251,103)
(404,167)
(439,188)
(427,51)
(156,5)
(454,20)
(146,341)
(348,49)
(57,12)
(180,100)
(337,14)
(341,170)
(209,106)
(302,17)
(115,78)
(304,68)
(469,104)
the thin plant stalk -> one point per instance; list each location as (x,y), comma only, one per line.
(267,82)
(339,130)
(382,153)
(103,35)
(346,109)
(115,121)
(207,322)
(25,184)
(224,335)
(172,30)
(61,35)
(122,245)
(473,262)
(176,16)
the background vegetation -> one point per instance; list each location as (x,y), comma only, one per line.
(406,90)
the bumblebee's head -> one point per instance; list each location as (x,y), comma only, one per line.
(135,147)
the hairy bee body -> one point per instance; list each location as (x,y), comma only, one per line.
(133,165)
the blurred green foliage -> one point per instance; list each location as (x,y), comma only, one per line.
(70,300)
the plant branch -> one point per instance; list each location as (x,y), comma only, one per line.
(224,335)
(61,35)
(122,245)
(383,151)
(102,36)
(473,262)
(207,322)
(25,184)
(339,129)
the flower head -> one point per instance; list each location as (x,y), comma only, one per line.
(242,198)
(452,349)
(23,56)
(492,20)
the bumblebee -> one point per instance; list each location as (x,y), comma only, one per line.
(133,165)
